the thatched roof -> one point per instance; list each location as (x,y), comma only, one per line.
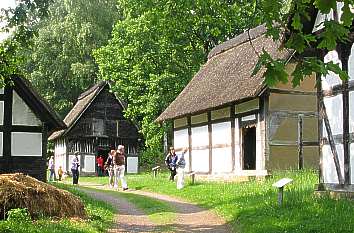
(83,102)
(226,77)
(40,106)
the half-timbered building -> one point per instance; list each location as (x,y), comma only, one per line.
(234,125)
(95,125)
(336,115)
(25,122)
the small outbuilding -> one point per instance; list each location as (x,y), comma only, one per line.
(234,125)
(95,125)
(26,120)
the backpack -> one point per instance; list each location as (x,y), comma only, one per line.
(181,161)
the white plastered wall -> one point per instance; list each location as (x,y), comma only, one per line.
(21,113)
(132,164)
(222,150)
(60,155)
(200,149)
(260,165)
(238,168)
(90,163)
(26,144)
(180,141)
(329,169)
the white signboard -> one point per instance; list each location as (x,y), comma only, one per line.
(132,164)
(90,164)
(282,182)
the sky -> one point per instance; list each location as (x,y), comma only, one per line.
(5,4)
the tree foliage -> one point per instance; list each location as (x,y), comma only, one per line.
(24,18)
(296,26)
(60,60)
(159,45)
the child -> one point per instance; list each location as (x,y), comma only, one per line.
(60,173)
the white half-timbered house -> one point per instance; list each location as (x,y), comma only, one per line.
(234,125)
(25,122)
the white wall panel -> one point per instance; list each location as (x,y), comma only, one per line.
(334,110)
(1,153)
(200,152)
(21,113)
(90,163)
(351,64)
(180,141)
(132,164)
(1,90)
(351,112)
(329,169)
(352,162)
(60,161)
(331,79)
(237,148)
(221,157)
(1,112)
(259,148)
(26,144)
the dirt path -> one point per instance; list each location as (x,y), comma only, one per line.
(190,218)
(128,218)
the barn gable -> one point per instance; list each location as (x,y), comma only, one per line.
(25,121)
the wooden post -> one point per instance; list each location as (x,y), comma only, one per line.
(192,175)
(155,171)
(300,141)
(210,135)
(280,195)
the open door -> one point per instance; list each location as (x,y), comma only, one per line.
(249,148)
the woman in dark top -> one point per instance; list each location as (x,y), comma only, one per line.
(170,162)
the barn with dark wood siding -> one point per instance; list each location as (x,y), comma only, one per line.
(94,126)
(234,125)
(26,120)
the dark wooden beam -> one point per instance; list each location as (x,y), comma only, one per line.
(233,155)
(344,53)
(331,143)
(320,125)
(7,125)
(292,92)
(300,142)
(190,142)
(26,128)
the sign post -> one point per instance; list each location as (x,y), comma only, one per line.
(280,185)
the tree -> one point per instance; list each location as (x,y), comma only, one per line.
(60,61)
(23,18)
(295,24)
(159,45)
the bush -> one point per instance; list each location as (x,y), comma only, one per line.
(150,158)
(18,215)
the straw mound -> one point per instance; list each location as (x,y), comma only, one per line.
(41,199)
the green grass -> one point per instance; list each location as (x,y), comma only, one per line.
(100,217)
(252,206)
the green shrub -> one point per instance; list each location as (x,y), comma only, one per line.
(18,215)
(150,158)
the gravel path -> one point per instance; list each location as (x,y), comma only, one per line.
(190,218)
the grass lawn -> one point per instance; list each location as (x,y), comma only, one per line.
(252,206)
(100,217)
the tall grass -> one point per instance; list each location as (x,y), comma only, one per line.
(252,206)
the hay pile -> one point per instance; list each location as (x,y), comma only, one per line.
(21,191)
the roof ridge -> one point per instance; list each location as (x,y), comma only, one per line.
(91,89)
(252,34)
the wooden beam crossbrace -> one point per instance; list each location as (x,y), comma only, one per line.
(324,116)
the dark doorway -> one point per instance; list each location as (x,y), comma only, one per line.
(249,148)
(103,152)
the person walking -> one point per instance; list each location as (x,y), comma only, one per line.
(180,165)
(110,167)
(60,173)
(99,162)
(75,164)
(119,168)
(170,161)
(51,167)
